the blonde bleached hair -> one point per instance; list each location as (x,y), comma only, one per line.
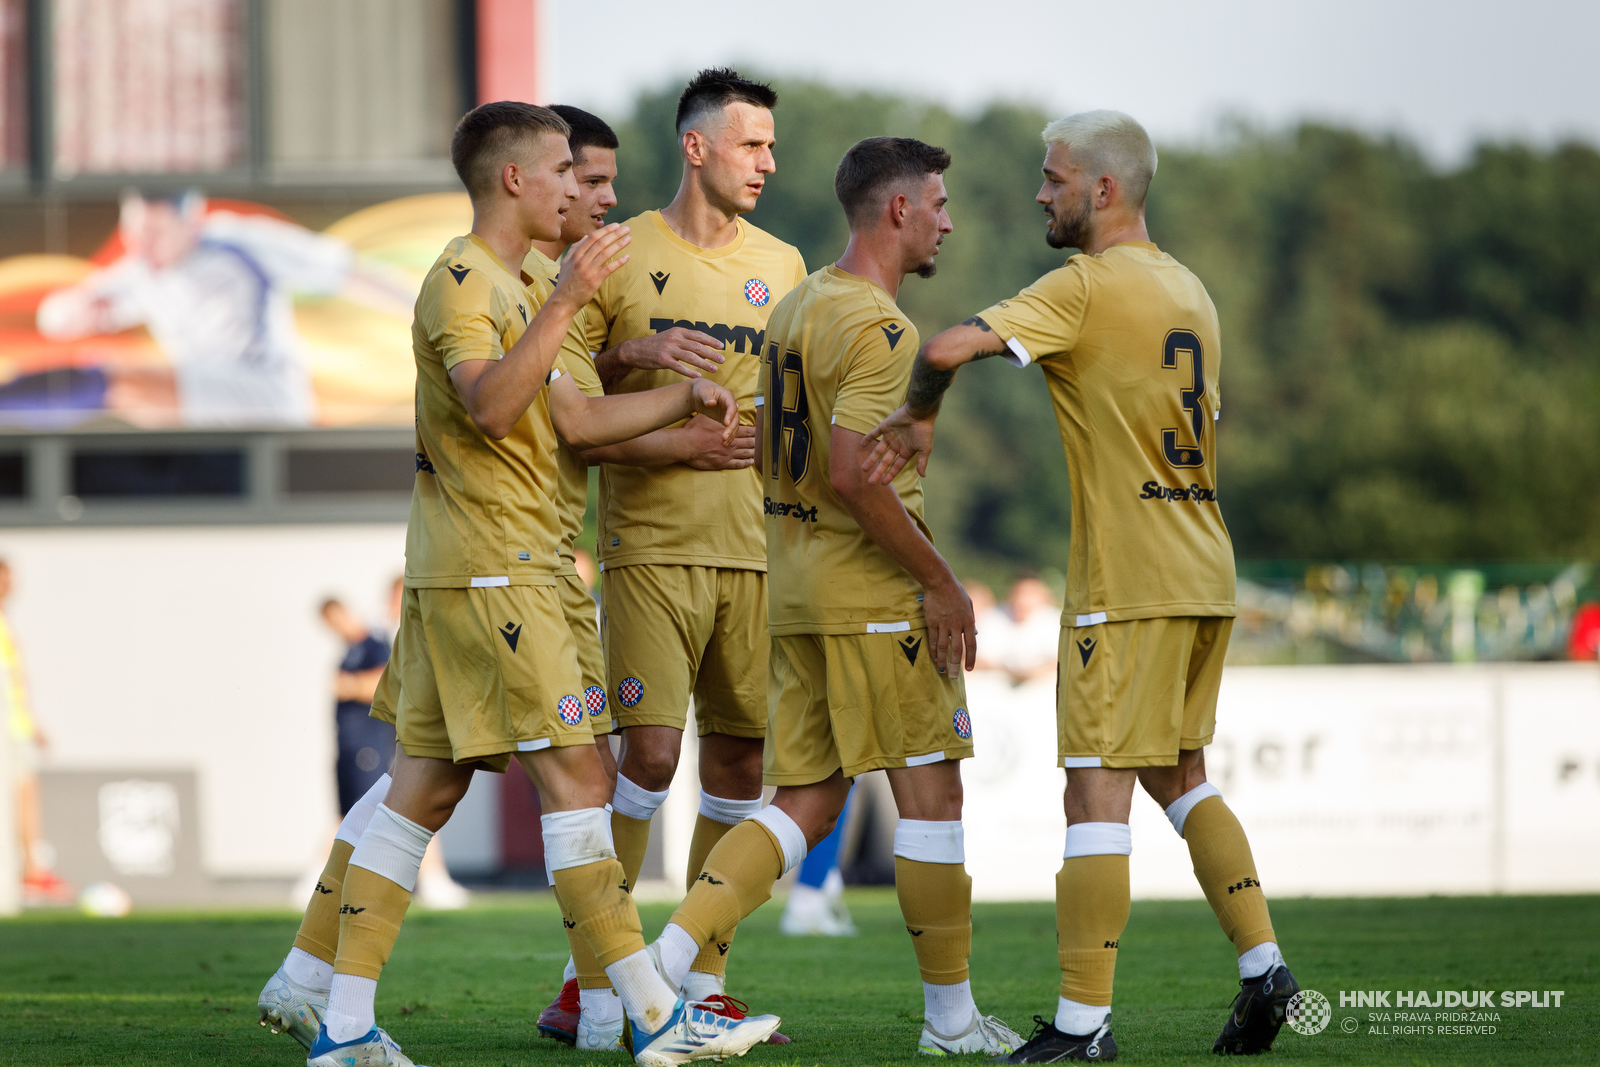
(1108,142)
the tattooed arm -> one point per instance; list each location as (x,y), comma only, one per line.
(908,431)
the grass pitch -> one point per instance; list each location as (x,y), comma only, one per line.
(463,989)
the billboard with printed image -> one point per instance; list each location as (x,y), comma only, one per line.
(211,313)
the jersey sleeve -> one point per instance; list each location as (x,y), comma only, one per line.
(294,257)
(1042,321)
(872,378)
(457,318)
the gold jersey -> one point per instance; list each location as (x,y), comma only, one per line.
(483,512)
(676,514)
(574,481)
(839,353)
(1130,348)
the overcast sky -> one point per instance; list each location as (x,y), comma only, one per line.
(1444,73)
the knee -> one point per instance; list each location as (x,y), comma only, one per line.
(650,767)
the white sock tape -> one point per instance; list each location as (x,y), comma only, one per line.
(1098,839)
(635,801)
(392,847)
(732,812)
(788,833)
(930,842)
(1178,811)
(354,823)
(576,838)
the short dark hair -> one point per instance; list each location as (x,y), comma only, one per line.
(877,162)
(487,135)
(588,131)
(716,88)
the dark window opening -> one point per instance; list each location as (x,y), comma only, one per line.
(349,470)
(147,474)
(13,477)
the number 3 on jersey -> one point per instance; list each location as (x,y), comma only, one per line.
(1181,342)
(791,422)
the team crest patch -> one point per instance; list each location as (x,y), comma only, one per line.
(571,711)
(630,692)
(963,724)
(594,698)
(756,291)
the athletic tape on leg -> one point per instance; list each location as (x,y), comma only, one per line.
(1178,811)
(392,848)
(635,801)
(1098,839)
(723,810)
(354,823)
(788,833)
(576,838)
(930,842)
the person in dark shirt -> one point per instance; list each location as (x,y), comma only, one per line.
(366,745)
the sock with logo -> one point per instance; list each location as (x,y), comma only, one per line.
(717,816)
(591,882)
(1226,872)
(930,878)
(319,930)
(582,965)
(1092,903)
(377,891)
(632,808)
(738,876)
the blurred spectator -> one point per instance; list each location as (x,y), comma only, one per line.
(993,626)
(366,745)
(1035,634)
(40,884)
(1583,640)
(585,567)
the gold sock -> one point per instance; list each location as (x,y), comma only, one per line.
(1227,873)
(630,837)
(936,902)
(596,896)
(370,915)
(590,974)
(737,880)
(713,958)
(319,930)
(1091,912)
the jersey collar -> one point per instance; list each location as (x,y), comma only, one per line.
(523,278)
(695,250)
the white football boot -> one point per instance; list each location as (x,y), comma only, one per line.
(986,1034)
(287,1007)
(695,1033)
(373,1049)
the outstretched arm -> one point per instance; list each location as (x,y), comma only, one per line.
(698,443)
(586,422)
(908,431)
(878,510)
(497,392)
(687,352)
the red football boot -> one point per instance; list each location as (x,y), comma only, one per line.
(560,1019)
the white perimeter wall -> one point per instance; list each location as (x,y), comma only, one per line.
(201,648)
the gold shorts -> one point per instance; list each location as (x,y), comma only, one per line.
(860,702)
(1133,694)
(671,631)
(478,674)
(583,619)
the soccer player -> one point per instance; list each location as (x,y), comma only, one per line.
(870,628)
(683,550)
(1128,341)
(484,666)
(587,1012)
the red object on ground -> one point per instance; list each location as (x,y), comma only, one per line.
(1584,640)
(729,1008)
(560,1019)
